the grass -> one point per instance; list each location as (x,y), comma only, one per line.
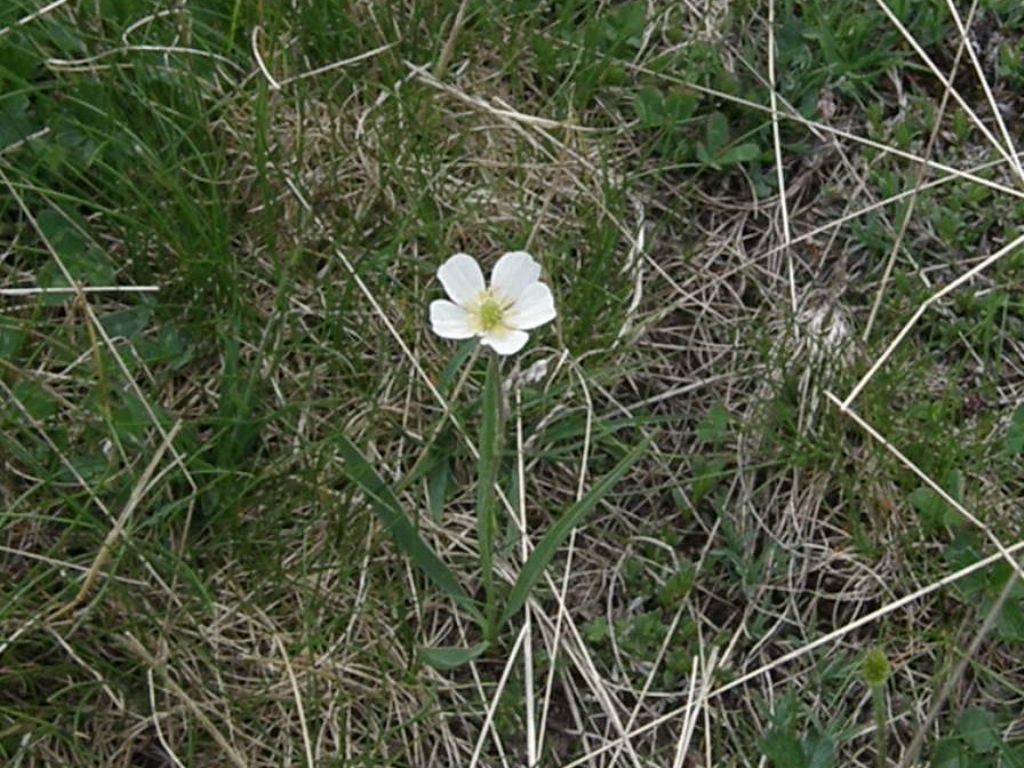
(190,573)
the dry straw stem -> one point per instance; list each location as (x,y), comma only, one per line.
(140,490)
(496,698)
(938,489)
(787,233)
(878,205)
(1005,151)
(77,290)
(530,714)
(29,18)
(448,52)
(994,109)
(89,63)
(96,329)
(153,663)
(84,485)
(255,45)
(918,182)
(278,85)
(694,701)
(838,132)
(952,286)
(155,717)
(68,565)
(504,112)
(803,650)
(580,655)
(562,615)
(306,743)
(914,749)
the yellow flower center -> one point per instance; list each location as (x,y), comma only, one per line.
(491,314)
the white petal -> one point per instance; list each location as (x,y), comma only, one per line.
(462,279)
(513,272)
(450,321)
(505,341)
(534,307)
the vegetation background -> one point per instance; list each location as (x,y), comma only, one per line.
(236,209)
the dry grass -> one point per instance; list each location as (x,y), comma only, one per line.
(777,363)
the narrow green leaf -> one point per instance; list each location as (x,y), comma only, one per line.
(1015,435)
(388,509)
(450,658)
(545,550)
(437,487)
(450,373)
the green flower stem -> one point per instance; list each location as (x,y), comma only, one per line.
(876,671)
(487,474)
(881,726)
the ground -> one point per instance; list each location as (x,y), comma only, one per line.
(755,493)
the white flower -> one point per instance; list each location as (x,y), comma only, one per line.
(500,315)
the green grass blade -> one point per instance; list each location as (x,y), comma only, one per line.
(534,567)
(389,510)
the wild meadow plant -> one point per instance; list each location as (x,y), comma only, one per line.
(499,315)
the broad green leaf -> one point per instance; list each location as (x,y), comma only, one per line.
(127,323)
(450,658)
(783,748)
(1012,757)
(680,106)
(707,474)
(706,158)
(714,427)
(649,108)
(15,123)
(545,550)
(743,153)
(86,264)
(169,347)
(820,751)
(949,753)
(36,399)
(12,336)
(1010,627)
(716,133)
(934,510)
(389,511)
(978,729)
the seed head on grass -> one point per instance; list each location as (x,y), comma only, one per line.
(500,315)
(875,668)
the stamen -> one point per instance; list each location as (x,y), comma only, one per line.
(492,315)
